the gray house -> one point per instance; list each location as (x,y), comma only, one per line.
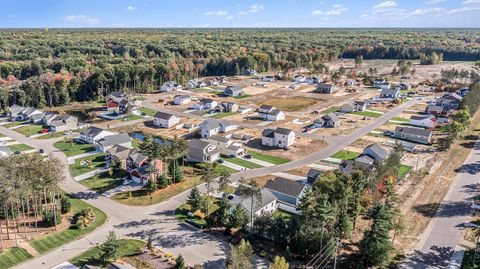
(390,93)
(108,142)
(63,123)
(371,155)
(267,205)
(233,91)
(200,151)
(326,88)
(287,191)
(331,120)
(417,135)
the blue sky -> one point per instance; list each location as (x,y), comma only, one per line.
(236,13)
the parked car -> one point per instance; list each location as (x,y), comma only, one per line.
(44,131)
(41,151)
(220,161)
(388,133)
(248,156)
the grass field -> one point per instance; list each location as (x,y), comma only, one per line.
(98,161)
(30,130)
(19,147)
(126,247)
(243,163)
(182,211)
(15,123)
(244,96)
(330,110)
(267,158)
(223,115)
(148,111)
(72,149)
(140,197)
(103,182)
(367,114)
(345,155)
(290,104)
(60,238)
(400,119)
(404,170)
(13,256)
(51,135)
(130,117)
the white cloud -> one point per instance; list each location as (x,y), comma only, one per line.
(217,13)
(130,8)
(336,10)
(471,2)
(229,17)
(81,19)
(255,8)
(427,11)
(433,2)
(384,7)
(466,9)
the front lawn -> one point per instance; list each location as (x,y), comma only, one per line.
(148,111)
(19,147)
(30,130)
(243,163)
(267,158)
(181,213)
(345,155)
(404,170)
(15,123)
(57,239)
(103,182)
(223,115)
(126,247)
(131,117)
(141,197)
(400,119)
(98,161)
(13,256)
(368,114)
(73,148)
(331,109)
(244,96)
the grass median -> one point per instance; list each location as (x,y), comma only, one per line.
(73,148)
(267,158)
(13,256)
(97,162)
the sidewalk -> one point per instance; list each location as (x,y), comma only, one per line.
(90,174)
(71,160)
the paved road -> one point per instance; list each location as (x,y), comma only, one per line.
(436,248)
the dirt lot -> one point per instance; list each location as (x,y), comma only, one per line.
(147,127)
(288,104)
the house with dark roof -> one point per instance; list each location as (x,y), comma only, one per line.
(416,135)
(390,93)
(437,110)
(450,101)
(108,142)
(201,151)
(313,174)
(165,120)
(119,153)
(93,134)
(119,102)
(326,88)
(233,91)
(287,191)
(370,156)
(279,138)
(330,120)
(267,204)
(209,127)
(227,107)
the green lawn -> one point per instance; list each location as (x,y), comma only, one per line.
(51,135)
(444,128)
(140,197)
(243,163)
(242,96)
(404,170)
(103,182)
(345,155)
(13,256)
(148,111)
(182,211)
(376,134)
(60,238)
(367,114)
(267,158)
(72,149)
(330,110)
(19,147)
(15,123)
(223,115)
(98,161)
(30,130)
(126,247)
(400,119)
(131,117)
(228,169)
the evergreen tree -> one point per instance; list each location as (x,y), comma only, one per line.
(223,211)
(279,263)
(151,186)
(162,181)
(194,199)
(241,256)
(109,248)
(239,217)
(180,262)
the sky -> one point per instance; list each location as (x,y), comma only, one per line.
(239,13)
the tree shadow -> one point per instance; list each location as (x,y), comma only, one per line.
(452,209)
(470,168)
(436,257)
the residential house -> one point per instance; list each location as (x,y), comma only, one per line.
(403,86)
(371,155)
(326,88)
(350,83)
(450,101)
(233,91)
(108,142)
(377,83)
(227,107)
(165,120)
(200,151)
(287,191)
(37,118)
(436,110)
(463,91)
(279,138)
(227,146)
(48,117)
(144,173)
(417,135)
(227,126)
(170,86)
(266,205)
(244,109)
(117,101)
(209,127)
(135,160)
(268,79)
(313,174)
(425,121)
(270,113)
(205,104)
(195,83)
(249,72)
(63,123)
(15,112)
(313,80)
(330,120)
(299,79)
(119,153)
(93,134)
(390,93)
(181,99)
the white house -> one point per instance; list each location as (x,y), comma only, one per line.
(209,128)
(268,79)
(165,120)
(267,204)
(93,134)
(205,104)
(425,121)
(181,99)
(170,86)
(233,91)
(299,79)
(279,138)
(270,113)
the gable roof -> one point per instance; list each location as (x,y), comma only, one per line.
(377,150)
(198,144)
(206,101)
(413,131)
(92,131)
(210,124)
(137,157)
(266,107)
(420,117)
(389,91)
(325,85)
(285,186)
(267,198)
(314,173)
(331,117)
(119,151)
(115,139)
(268,133)
(163,115)
(283,131)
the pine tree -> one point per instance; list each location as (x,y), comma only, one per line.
(109,248)
(241,256)
(151,186)
(239,217)
(162,181)
(180,262)
(223,212)
(279,263)
(194,199)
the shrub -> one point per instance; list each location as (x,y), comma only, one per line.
(52,218)
(65,204)
(84,218)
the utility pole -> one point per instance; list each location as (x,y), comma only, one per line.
(336,250)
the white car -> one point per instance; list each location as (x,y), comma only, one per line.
(127,182)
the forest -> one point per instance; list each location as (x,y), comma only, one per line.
(52,67)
